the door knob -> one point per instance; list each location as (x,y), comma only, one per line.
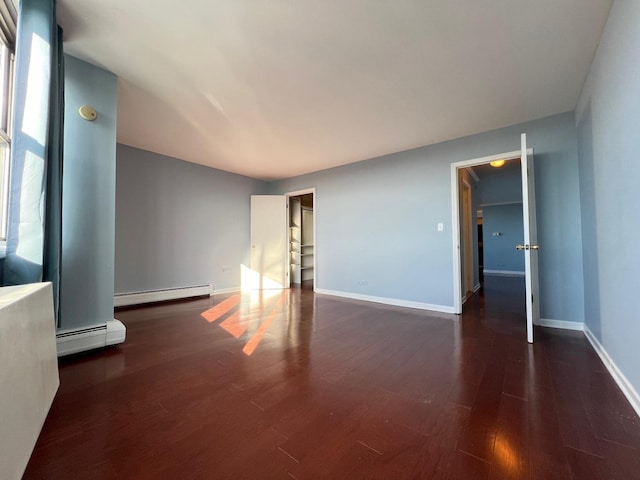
(527,247)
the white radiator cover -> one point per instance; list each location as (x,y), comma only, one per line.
(137,298)
(28,371)
(88,338)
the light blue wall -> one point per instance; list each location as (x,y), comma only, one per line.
(178,224)
(88,197)
(499,251)
(608,116)
(376,220)
(501,188)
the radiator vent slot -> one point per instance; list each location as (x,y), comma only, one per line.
(82,331)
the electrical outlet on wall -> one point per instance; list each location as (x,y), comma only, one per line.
(226,269)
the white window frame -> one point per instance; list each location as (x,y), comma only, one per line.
(7,61)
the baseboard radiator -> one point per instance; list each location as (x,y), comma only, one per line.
(88,338)
(150,296)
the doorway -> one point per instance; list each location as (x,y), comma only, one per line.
(499,208)
(493,196)
(463,227)
(301,242)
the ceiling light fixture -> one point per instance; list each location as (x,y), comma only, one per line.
(497,163)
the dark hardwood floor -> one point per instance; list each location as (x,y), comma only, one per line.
(292,385)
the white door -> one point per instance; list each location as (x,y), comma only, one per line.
(467,238)
(268,243)
(530,246)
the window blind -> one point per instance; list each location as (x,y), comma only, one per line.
(8,16)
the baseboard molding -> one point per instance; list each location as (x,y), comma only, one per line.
(504,273)
(477,287)
(163,295)
(563,324)
(226,290)
(625,385)
(82,339)
(387,301)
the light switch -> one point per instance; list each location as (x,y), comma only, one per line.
(440,227)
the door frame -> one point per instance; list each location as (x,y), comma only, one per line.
(467,238)
(297,193)
(455,217)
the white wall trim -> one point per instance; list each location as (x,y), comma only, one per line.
(136,298)
(562,324)
(88,338)
(226,290)
(477,287)
(387,301)
(504,273)
(304,191)
(625,385)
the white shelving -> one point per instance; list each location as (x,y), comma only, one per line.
(306,252)
(301,251)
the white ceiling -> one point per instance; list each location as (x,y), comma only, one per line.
(277,88)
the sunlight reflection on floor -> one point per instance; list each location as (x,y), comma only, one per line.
(249,315)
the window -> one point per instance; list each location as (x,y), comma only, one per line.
(7,40)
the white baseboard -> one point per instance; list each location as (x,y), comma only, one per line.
(88,338)
(387,301)
(504,273)
(625,385)
(137,298)
(477,287)
(563,324)
(226,290)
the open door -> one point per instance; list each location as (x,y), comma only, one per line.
(268,242)
(467,238)
(530,246)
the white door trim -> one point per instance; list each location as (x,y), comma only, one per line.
(297,193)
(455,217)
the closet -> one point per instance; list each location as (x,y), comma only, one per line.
(301,247)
